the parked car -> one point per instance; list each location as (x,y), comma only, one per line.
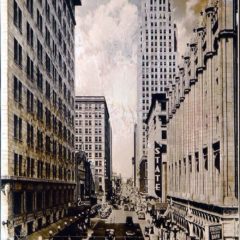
(132,208)
(141,215)
(129,221)
(130,235)
(115,206)
(105,213)
(94,210)
(109,234)
(126,208)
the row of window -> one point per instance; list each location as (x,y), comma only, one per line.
(31,168)
(88,139)
(89,115)
(30,201)
(32,74)
(88,122)
(50,119)
(89,106)
(161,57)
(30,39)
(88,131)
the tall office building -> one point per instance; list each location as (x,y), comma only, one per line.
(37,114)
(93,135)
(156,61)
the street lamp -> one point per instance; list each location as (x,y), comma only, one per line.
(175,229)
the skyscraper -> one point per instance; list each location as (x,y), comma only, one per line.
(156,61)
(37,114)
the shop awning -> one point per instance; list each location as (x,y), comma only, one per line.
(54,227)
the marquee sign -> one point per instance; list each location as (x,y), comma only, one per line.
(158,169)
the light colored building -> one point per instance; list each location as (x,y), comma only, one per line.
(157,147)
(37,114)
(156,62)
(93,135)
(202,150)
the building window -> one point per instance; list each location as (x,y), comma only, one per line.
(39,169)
(29,35)
(17,164)
(39,201)
(39,51)
(30,135)
(17,203)
(17,128)
(39,110)
(30,167)
(29,202)
(39,80)
(47,10)
(17,90)
(17,16)
(216,152)
(48,65)
(48,90)
(164,134)
(205,157)
(30,68)
(30,6)
(17,53)
(39,140)
(29,101)
(39,21)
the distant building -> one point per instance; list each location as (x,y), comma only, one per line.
(93,136)
(85,189)
(37,114)
(157,55)
(143,176)
(134,164)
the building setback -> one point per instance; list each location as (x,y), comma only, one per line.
(93,135)
(202,160)
(37,114)
(156,63)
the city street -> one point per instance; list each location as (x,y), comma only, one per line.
(117,221)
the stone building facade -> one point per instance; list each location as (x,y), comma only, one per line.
(157,55)
(93,135)
(202,160)
(37,113)
(157,141)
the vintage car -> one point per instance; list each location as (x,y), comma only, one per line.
(141,215)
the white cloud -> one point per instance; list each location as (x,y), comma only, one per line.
(186,25)
(106,55)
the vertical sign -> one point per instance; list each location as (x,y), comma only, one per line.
(158,169)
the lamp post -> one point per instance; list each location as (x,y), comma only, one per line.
(168,227)
(175,229)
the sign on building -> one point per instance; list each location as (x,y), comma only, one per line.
(158,169)
(215,232)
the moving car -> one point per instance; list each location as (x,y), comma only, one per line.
(129,221)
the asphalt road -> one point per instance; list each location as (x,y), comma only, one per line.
(117,221)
